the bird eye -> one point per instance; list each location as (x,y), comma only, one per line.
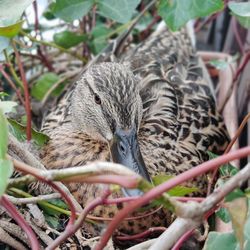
(97,99)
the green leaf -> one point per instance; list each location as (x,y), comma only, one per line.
(223,214)
(59,203)
(120,11)
(19,131)
(176,191)
(6,170)
(53,221)
(3,136)
(220,241)
(219,64)
(67,39)
(241,11)
(71,10)
(226,170)
(11,30)
(100,34)
(177,12)
(48,13)
(238,211)
(7,106)
(11,11)
(235,194)
(44,83)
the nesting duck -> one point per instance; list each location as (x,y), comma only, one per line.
(153,112)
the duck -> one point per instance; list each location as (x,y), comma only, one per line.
(151,110)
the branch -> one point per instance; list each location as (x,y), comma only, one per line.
(17,150)
(33,199)
(26,92)
(50,44)
(159,190)
(79,222)
(12,84)
(183,227)
(20,220)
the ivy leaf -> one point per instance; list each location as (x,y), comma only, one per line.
(44,83)
(222,241)
(223,214)
(177,12)
(7,106)
(11,30)
(68,39)
(71,10)
(3,136)
(11,11)
(120,11)
(241,11)
(226,170)
(48,13)
(235,194)
(19,131)
(6,170)
(238,212)
(99,34)
(53,221)
(176,191)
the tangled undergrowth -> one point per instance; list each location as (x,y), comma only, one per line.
(35,71)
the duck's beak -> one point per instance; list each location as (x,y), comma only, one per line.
(125,150)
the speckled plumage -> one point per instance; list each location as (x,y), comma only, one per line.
(159,87)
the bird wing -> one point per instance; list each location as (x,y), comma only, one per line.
(180,122)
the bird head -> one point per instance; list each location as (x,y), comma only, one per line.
(106,105)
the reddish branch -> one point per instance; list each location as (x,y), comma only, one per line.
(24,168)
(12,84)
(10,208)
(78,224)
(237,134)
(26,92)
(157,191)
(142,235)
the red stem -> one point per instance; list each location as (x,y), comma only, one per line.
(26,92)
(157,191)
(186,235)
(12,84)
(98,201)
(24,168)
(142,235)
(36,16)
(242,66)
(10,208)
(237,35)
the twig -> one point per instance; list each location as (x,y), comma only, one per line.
(159,190)
(22,223)
(17,150)
(12,84)
(33,199)
(238,72)
(237,35)
(165,241)
(237,134)
(98,201)
(50,44)
(142,235)
(7,239)
(12,70)
(22,167)
(26,92)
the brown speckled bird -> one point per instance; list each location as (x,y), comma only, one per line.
(154,112)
